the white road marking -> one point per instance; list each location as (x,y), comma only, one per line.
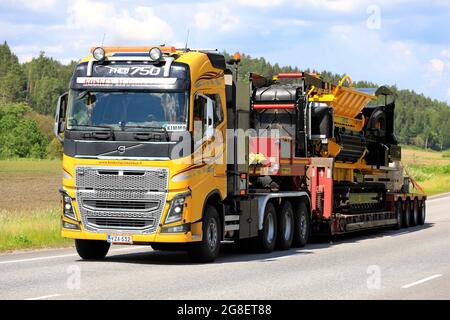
(279,258)
(438,199)
(45,297)
(406,286)
(62,256)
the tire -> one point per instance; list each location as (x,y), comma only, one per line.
(285,227)
(398,214)
(422,213)
(415,213)
(301,225)
(208,249)
(265,242)
(407,214)
(92,249)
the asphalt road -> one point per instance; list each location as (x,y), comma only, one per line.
(411,263)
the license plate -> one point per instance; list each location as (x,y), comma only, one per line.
(119,239)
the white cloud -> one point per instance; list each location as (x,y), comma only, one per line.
(137,24)
(448,92)
(437,65)
(39,6)
(291,23)
(446,53)
(216,18)
(27,53)
(261,3)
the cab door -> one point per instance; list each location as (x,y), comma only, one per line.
(209,132)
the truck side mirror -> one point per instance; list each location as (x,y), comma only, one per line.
(60,116)
(209,120)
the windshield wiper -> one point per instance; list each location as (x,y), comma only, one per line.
(154,129)
(97,134)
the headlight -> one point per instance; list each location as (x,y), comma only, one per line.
(99,54)
(155,54)
(175,210)
(68,209)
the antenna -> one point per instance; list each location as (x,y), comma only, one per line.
(103,40)
(187,39)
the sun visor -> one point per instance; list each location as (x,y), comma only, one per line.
(130,75)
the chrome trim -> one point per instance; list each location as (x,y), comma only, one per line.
(123,158)
(139,142)
(120,184)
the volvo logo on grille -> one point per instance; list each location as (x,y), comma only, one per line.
(121,149)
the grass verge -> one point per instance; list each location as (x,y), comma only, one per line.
(40,166)
(40,229)
(434,179)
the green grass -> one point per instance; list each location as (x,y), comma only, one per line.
(31,166)
(39,229)
(434,179)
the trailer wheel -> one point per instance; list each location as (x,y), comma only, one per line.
(301,225)
(92,249)
(415,213)
(422,213)
(407,214)
(265,242)
(399,214)
(286,227)
(208,249)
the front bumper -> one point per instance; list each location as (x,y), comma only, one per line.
(191,236)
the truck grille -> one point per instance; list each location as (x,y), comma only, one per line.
(124,205)
(120,223)
(121,198)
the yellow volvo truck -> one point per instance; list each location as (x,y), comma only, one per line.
(164,147)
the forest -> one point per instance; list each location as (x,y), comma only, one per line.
(29,92)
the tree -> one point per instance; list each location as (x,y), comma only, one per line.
(12,79)
(20,136)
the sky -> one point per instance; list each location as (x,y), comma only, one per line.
(401,42)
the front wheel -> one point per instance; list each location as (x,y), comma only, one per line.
(92,249)
(208,249)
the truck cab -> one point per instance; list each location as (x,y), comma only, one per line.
(136,125)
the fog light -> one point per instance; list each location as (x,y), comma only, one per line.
(177,229)
(71,226)
(99,54)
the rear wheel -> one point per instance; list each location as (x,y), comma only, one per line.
(399,214)
(407,214)
(286,227)
(92,249)
(422,212)
(265,242)
(415,213)
(208,249)
(301,225)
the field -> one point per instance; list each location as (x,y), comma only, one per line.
(29,201)
(431,169)
(29,197)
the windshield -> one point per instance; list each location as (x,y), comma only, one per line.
(126,110)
